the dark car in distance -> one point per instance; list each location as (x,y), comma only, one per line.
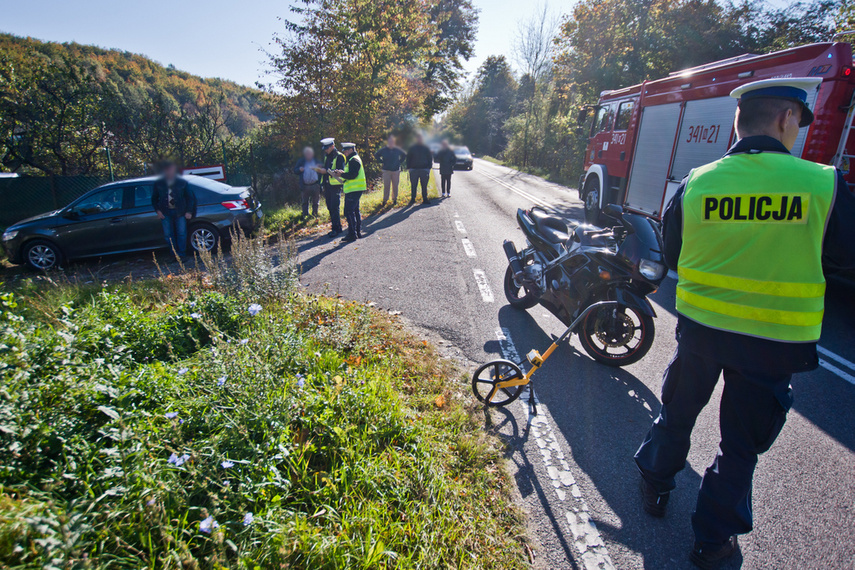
(464,158)
(118,218)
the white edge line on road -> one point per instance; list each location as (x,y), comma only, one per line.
(522,193)
(459,225)
(832,368)
(836,357)
(586,536)
(468,248)
(483,285)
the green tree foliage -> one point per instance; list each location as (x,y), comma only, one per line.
(610,44)
(355,70)
(478,118)
(61,104)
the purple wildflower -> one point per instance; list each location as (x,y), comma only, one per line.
(208,525)
(254,309)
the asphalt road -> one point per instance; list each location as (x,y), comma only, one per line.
(442,266)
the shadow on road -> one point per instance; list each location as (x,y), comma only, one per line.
(604,413)
(502,423)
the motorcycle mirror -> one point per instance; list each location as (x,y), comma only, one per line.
(613,211)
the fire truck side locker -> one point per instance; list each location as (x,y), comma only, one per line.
(650,163)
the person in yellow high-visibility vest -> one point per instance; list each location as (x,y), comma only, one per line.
(355,184)
(749,236)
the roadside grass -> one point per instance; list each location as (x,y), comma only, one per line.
(544,173)
(226,420)
(289,219)
(493,160)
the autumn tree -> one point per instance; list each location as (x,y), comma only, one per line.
(51,115)
(478,117)
(358,69)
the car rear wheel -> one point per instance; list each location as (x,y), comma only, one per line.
(204,237)
(42,255)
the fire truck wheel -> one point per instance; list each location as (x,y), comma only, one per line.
(592,201)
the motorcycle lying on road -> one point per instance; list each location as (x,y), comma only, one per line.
(595,280)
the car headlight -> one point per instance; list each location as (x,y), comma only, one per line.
(9,234)
(651,270)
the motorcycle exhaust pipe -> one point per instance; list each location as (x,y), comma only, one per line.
(513,259)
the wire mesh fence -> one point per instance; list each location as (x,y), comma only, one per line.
(32,195)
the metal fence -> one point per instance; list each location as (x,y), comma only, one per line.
(31,195)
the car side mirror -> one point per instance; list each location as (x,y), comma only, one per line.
(71,214)
(613,211)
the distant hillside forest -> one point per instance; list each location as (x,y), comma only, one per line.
(62,105)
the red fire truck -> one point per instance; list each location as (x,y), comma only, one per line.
(644,139)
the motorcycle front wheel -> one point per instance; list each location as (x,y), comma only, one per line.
(518,297)
(617,336)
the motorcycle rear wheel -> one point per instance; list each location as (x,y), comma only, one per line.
(617,336)
(512,293)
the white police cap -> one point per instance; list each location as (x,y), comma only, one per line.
(327,142)
(793,88)
(348,145)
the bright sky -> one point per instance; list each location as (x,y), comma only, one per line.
(211,38)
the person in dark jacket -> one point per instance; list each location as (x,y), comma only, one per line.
(310,181)
(175,204)
(419,163)
(750,294)
(391,157)
(446,159)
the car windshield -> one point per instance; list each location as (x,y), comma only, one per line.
(461,150)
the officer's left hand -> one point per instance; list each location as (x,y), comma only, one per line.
(188,215)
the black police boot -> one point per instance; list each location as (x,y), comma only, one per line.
(349,238)
(709,557)
(653,501)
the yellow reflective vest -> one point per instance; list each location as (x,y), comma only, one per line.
(751,259)
(357,184)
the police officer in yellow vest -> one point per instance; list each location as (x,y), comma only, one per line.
(354,185)
(331,183)
(749,236)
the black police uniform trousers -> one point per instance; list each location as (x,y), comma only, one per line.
(332,197)
(753,410)
(351,213)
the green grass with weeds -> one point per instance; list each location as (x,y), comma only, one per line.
(289,219)
(225,420)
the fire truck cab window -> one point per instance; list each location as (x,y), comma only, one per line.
(624,115)
(603,121)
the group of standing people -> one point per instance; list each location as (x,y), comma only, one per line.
(343,173)
(339,173)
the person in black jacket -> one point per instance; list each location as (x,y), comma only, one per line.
(175,204)
(446,159)
(419,163)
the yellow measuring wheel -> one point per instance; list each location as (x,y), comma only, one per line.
(500,382)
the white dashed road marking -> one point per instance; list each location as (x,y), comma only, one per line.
(459,225)
(586,536)
(483,285)
(469,248)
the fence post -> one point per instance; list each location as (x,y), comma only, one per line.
(252,167)
(110,163)
(225,163)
